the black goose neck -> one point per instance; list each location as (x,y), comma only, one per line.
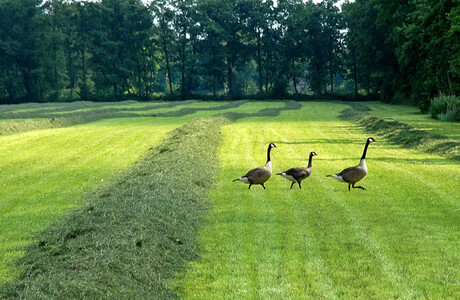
(268,153)
(365,149)
(310,160)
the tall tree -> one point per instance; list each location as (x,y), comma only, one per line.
(23,48)
(163,15)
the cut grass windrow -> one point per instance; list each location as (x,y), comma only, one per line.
(102,244)
(77,113)
(403,134)
(134,234)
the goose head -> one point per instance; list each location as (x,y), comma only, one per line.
(371,139)
(313,153)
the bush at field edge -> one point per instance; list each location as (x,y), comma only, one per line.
(445,107)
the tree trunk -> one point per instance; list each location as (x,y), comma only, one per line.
(168,68)
(84,91)
(294,78)
(259,62)
(332,82)
(230,79)
(448,81)
(182,86)
(355,78)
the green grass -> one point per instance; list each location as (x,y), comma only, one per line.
(411,115)
(134,233)
(45,173)
(403,134)
(398,239)
(135,237)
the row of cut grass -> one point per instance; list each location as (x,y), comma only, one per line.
(412,116)
(46,173)
(398,239)
(135,233)
(404,134)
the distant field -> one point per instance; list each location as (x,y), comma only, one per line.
(412,116)
(398,239)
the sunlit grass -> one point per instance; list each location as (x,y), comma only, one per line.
(398,239)
(45,173)
(412,116)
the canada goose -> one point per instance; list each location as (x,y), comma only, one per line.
(259,175)
(298,174)
(354,174)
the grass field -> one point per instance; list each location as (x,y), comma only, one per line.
(411,115)
(398,239)
(46,173)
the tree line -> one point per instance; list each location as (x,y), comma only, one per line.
(392,50)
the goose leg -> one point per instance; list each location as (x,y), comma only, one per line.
(358,187)
(299,184)
(249,186)
(292,184)
(264,186)
(348,187)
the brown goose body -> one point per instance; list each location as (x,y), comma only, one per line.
(298,174)
(354,174)
(259,175)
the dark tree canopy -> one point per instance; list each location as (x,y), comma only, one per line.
(63,50)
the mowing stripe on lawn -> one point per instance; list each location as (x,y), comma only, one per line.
(135,233)
(45,173)
(403,134)
(248,107)
(398,239)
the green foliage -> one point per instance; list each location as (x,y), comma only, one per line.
(445,107)
(395,51)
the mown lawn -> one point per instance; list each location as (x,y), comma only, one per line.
(46,173)
(398,239)
(412,116)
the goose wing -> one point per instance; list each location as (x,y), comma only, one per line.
(352,174)
(258,175)
(298,173)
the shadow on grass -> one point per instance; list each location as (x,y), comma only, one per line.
(403,134)
(407,161)
(321,141)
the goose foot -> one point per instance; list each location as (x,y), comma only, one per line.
(357,187)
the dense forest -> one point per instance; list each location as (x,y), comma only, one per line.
(393,50)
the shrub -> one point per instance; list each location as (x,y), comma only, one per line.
(445,107)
